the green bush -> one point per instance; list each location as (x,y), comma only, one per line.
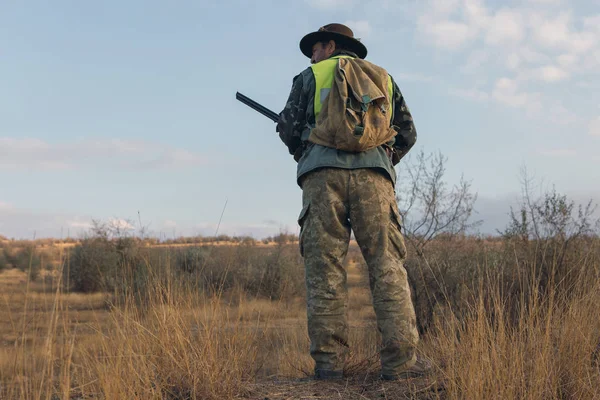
(26,259)
(260,272)
(111,265)
(451,275)
(548,247)
(192,260)
(283,273)
(92,265)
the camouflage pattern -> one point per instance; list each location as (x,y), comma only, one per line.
(297,119)
(402,122)
(294,117)
(334,202)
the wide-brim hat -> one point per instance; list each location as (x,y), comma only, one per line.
(337,32)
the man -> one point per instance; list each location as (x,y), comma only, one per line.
(343,191)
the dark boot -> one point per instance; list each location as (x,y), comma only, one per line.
(422,368)
(324,374)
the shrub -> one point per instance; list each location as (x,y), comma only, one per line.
(271,273)
(109,261)
(26,259)
(280,274)
(192,260)
(3,260)
(92,265)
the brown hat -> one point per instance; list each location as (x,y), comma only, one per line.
(337,32)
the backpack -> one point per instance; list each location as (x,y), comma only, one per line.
(356,114)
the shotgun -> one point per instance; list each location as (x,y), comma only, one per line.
(257,107)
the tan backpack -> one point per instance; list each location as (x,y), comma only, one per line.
(356,115)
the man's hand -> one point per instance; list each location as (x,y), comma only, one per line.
(391,153)
(298,153)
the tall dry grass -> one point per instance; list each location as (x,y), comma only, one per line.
(551,351)
(497,331)
(177,343)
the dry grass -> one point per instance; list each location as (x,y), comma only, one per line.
(552,352)
(182,344)
(209,244)
(179,345)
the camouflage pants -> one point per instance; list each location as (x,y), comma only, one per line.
(334,202)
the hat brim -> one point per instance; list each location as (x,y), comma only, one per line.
(349,43)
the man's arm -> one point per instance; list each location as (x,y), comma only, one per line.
(403,124)
(292,119)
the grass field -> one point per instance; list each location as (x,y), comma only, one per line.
(497,322)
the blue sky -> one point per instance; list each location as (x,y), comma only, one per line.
(110,108)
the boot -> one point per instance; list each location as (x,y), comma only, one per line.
(323,374)
(421,368)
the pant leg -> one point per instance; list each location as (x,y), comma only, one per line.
(376,224)
(324,240)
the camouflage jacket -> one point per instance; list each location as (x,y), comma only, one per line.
(297,119)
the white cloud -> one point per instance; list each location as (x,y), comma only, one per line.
(476,12)
(30,153)
(361,29)
(443,7)
(412,77)
(446,33)
(471,94)
(550,32)
(559,153)
(588,85)
(120,224)
(592,22)
(475,60)
(545,1)
(555,33)
(505,27)
(528,34)
(80,224)
(531,44)
(513,61)
(591,62)
(256,230)
(170,158)
(452,24)
(559,114)
(26,224)
(567,60)
(552,74)
(506,92)
(582,41)
(169,224)
(20,223)
(532,56)
(329,4)
(594,127)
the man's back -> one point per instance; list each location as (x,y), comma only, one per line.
(355,107)
(344,191)
(298,119)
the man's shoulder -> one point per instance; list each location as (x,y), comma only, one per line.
(306,78)
(362,62)
(305,74)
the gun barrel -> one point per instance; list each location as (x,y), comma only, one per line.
(257,107)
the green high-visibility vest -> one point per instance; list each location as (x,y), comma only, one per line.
(324,72)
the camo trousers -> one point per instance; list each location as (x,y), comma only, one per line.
(334,202)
